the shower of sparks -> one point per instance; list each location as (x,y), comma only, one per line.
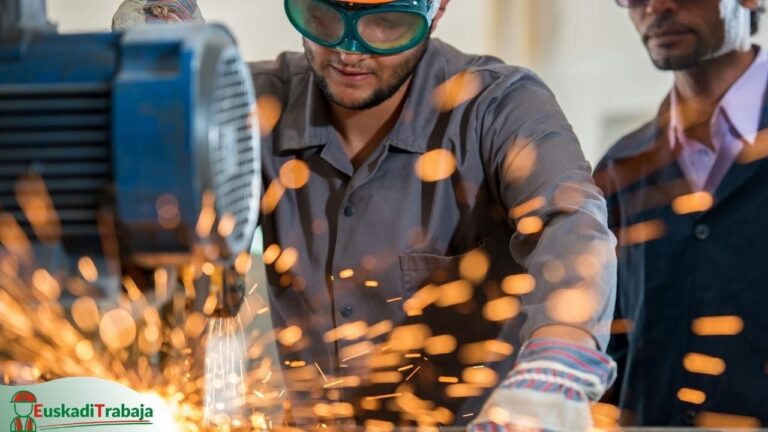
(155,341)
(224,371)
(87,321)
(125,347)
(132,344)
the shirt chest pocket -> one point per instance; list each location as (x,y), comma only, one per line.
(419,269)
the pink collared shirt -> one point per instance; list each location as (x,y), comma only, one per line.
(735,123)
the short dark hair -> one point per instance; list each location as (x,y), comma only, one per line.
(754,19)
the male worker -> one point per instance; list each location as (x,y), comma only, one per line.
(687,195)
(429,223)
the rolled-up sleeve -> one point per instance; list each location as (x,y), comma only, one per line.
(534,159)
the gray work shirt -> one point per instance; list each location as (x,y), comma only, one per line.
(368,239)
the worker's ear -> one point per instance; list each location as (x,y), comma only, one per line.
(440,12)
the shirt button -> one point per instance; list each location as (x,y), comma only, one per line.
(346,311)
(701,232)
(689,416)
(349,211)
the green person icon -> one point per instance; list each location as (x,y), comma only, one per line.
(22,405)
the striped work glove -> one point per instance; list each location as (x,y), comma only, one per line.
(549,389)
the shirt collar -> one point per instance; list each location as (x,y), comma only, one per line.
(306,122)
(741,105)
(419,116)
(744,101)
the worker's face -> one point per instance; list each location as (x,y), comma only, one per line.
(361,81)
(679,34)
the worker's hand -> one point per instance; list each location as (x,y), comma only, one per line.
(550,389)
(132,13)
(173,10)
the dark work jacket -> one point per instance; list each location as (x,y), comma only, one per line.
(676,268)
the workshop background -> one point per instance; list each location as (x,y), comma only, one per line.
(586,50)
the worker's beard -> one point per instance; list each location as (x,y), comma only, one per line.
(400,76)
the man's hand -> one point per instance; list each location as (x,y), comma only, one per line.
(132,13)
(173,10)
(549,389)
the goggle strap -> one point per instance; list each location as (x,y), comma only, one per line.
(432,12)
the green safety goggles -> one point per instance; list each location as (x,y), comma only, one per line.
(361,27)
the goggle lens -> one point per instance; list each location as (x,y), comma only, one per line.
(318,20)
(391,30)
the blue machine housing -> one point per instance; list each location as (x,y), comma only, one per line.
(120,126)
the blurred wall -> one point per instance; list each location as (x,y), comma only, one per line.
(586,50)
(589,53)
